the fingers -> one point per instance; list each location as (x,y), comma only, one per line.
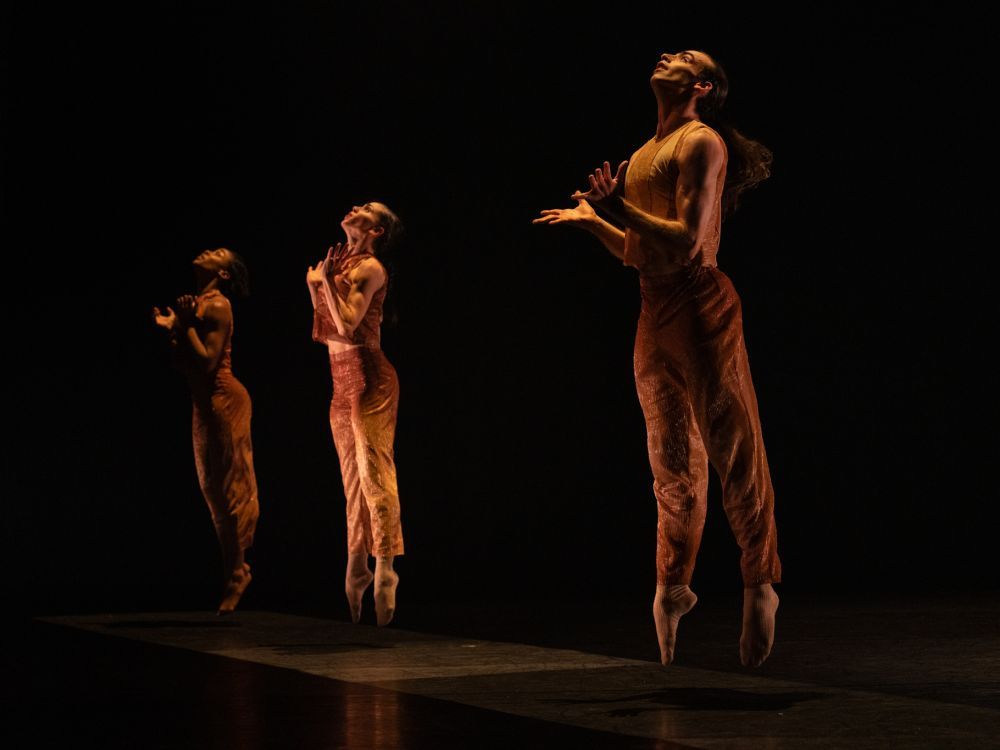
(550,216)
(170,311)
(621,171)
(185,303)
(600,186)
(550,219)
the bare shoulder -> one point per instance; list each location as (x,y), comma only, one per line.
(703,150)
(218,309)
(704,142)
(369,271)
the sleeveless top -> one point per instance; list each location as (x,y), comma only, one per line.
(202,382)
(226,358)
(367,333)
(651,185)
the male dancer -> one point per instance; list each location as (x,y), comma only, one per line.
(691,367)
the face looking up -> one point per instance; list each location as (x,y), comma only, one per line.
(215,261)
(679,72)
(366,219)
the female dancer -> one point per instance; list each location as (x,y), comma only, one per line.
(201,333)
(348,290)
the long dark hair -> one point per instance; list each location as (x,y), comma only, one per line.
(386,247)
(749,160)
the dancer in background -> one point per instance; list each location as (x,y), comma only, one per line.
(691,367)
(201,334)
(348,291)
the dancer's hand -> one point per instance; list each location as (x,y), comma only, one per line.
(602,184)
(166,322)
(580,215)
(187,306)
(316,275)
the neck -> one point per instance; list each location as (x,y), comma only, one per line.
(205,283)
(673,111)
(358,244)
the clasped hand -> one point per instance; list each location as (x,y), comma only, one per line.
(187,306)
(602,185)
(316,275)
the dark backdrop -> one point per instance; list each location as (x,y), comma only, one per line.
(135,139)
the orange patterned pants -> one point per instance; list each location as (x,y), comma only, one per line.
(693,380)
(223,458)
(363,420)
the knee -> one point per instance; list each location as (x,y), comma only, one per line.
(676,496)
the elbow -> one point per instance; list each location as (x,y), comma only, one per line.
(684,244)
(688,241)
(350,321)
(210,363)
(679,245)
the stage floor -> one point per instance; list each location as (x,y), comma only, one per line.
(904,674)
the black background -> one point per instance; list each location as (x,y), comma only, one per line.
(138,137)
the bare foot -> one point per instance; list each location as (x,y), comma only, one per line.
(759,605)
(357,580)
(386,580)
(235,587)
(669,605)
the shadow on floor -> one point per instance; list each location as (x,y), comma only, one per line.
(704,699)
(161,624)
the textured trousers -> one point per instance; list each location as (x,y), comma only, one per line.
(363,420)
(693,380)
(223,458)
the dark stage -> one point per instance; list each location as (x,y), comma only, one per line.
(134,139)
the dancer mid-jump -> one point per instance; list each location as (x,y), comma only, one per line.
(348,290)
(201,335)
(691,368)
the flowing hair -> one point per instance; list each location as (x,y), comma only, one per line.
(385,250)
(749,160)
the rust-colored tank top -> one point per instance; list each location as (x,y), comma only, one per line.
(368,331)
(651,185)
(202,383)
(226,358)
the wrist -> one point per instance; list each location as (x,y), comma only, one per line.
(608,202)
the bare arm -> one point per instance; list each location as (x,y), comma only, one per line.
(583,217)
(365,279)
(316,274)
(217,318)
(700,162)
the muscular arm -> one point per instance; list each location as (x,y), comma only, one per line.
(700,163)
(207,351)
(365,279)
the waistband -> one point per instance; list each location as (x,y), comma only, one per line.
(681,275)
(353,351)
